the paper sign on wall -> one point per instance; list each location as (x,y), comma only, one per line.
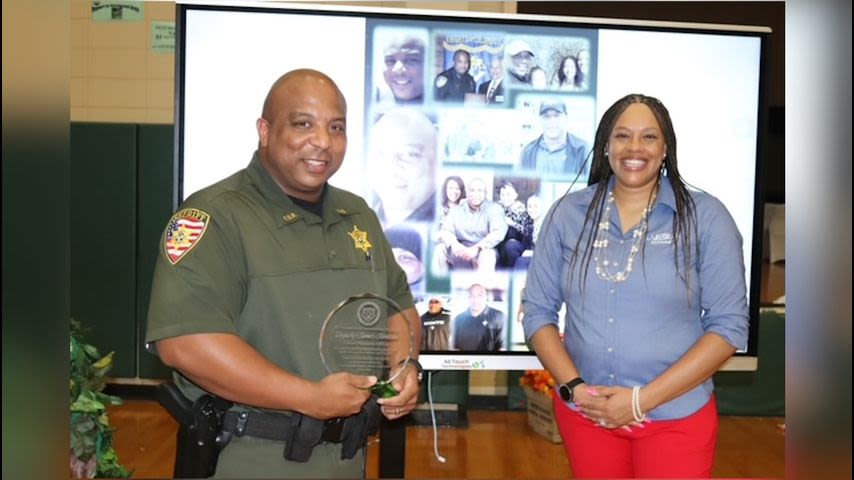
(127,11)
(163,37)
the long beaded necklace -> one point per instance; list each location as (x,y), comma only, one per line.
(600,243)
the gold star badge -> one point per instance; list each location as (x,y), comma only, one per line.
(360,239)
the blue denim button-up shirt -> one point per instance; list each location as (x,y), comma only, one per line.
(626,334)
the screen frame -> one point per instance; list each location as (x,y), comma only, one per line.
(508,360)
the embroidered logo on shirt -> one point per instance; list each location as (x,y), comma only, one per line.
(663,238)
(433,323)
(360,239)
(184,232)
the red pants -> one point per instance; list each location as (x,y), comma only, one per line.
(683,448)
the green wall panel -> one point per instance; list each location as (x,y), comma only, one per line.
(449,386)
(154,206)
(516,398)
(762,392)
(103,239)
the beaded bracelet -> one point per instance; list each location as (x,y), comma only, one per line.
(636,408)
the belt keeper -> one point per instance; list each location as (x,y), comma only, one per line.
(240,429)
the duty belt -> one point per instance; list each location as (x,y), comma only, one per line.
(276,427)
(302,433)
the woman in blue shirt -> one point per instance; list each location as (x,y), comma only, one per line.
(652,275)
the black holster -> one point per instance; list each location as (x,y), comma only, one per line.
(351,432)
(304,435)
(358,428)
(200,436)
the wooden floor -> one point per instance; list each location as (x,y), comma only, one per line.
(494,445)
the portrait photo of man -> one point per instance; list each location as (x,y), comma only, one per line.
(402,167)
(400,57)
(521,62)
(453,84)
(406,246)
(480,327)
(493,90)
(435,326)
(557,151)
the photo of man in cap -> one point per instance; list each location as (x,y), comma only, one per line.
(556,152)
(435,326)
(521,62)
(406,246)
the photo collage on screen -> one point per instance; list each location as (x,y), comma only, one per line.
(472,135)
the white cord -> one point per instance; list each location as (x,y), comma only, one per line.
(433,417)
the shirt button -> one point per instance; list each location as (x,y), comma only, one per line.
(611,291)
(331,253)
(610,349)
(611,320)
(611,375)
(622,241)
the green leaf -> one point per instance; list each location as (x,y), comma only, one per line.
(91,437)
(83,423)
(109,399)
(91,351)
(87,402)
(104,362)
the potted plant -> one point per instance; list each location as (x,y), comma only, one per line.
(92,453)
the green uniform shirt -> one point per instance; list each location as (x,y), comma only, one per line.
(240,257)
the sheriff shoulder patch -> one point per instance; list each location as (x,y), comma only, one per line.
(184,232)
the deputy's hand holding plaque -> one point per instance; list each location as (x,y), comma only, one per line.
(367,334)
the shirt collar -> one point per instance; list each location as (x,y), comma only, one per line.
(545,147)
(286,212)
(665,193)
(572,142)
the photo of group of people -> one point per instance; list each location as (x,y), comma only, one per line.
(472,136)
(474,67)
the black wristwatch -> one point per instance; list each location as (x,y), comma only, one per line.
(418,368)
(566,389)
